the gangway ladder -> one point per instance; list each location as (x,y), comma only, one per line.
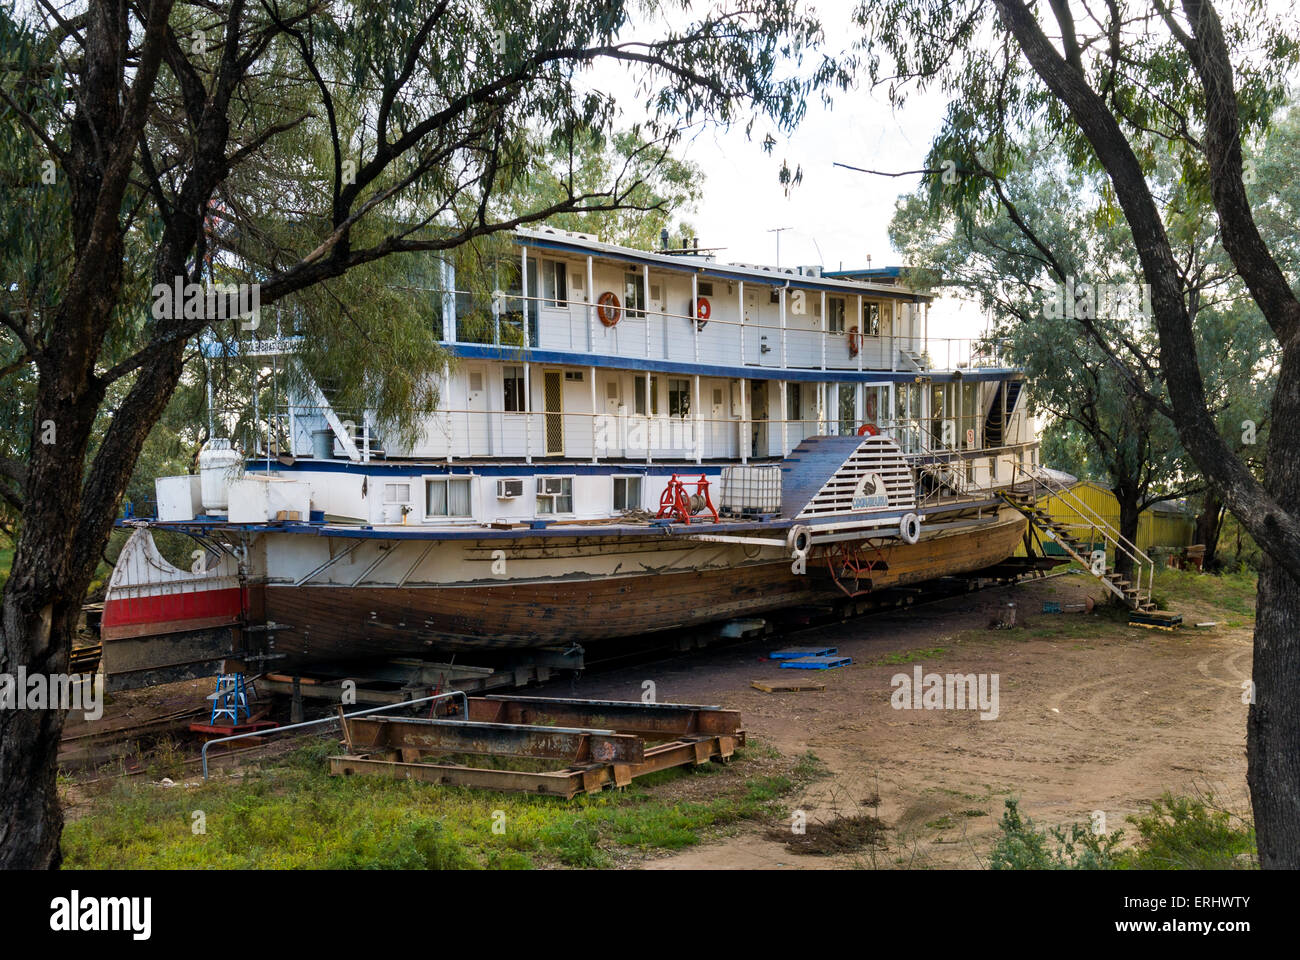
(1023,495)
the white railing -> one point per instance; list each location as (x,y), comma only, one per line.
(803,341)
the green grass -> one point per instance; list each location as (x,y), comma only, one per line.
(910,656)
(290,813)
(1175,833)
(1234,592)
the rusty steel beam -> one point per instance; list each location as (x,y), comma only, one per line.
(656,721)
(574,745)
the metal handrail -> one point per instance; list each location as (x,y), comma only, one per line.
(1100,525)
(334,719)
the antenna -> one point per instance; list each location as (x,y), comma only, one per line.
(778,231)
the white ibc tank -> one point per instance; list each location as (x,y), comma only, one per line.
(219,465)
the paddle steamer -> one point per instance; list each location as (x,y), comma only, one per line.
(627,441)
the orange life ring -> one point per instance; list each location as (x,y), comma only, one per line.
(608,308)
(855,341)
(868,430)
(702,311)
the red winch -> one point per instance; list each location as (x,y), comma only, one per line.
(676,503)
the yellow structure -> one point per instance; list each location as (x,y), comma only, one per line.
(1166,525)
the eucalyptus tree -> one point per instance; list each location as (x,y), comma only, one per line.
(1120,84)
(295,149)
(1098,425)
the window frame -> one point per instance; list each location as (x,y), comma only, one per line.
(446,480)
(522,392)
(625,477)
(540,495)
(837,308)
(555,284)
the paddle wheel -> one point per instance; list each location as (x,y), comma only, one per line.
(851,565)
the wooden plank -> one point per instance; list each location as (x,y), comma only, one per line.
(774,686)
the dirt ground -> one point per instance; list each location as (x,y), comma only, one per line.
(1104,721)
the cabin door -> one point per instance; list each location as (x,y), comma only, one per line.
(478,428)
(615,417)
(553,405)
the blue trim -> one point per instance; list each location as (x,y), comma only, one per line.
(485,351)
(893,273)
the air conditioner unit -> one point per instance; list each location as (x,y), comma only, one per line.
(550,486)
(509,489)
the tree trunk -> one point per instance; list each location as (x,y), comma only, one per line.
(1129,517)
(1209,523)
(1273,726)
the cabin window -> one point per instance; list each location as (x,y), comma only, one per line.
(640,395)
(871,319)
(835,314)
(397,493)
(514,399)
(634,294)
(679,397)
(447,497)
(627,494)
(573,376)
(555,283)
(554,495)
(792,392)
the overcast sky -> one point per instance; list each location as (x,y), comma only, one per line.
(835,216)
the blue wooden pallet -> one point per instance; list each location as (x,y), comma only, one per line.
(815,663)
(791,653)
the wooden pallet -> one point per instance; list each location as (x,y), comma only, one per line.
(794,653)
(633,739)
(794,686)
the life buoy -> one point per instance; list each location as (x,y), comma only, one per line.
(909,528)
(855,341)
(608,308)
(702,312)
(868,430)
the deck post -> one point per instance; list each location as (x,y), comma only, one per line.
(744,420)
(699,437)
(825,331)
(781,291)
(523,287)
(695,320)
(740,301)
(591,372)
(649,413)
(591,306)
(785,417)
(862,335)
(528,413)
(645,311)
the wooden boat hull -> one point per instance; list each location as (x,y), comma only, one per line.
(355,622)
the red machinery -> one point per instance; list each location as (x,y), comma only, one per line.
(676,503)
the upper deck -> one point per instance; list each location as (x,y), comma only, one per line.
(578,300)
